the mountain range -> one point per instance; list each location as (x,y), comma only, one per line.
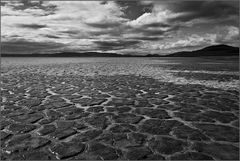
(215,50)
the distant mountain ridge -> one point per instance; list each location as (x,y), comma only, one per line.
(215,50)
(67,54)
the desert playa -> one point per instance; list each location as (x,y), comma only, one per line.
(119,108)
(119,80)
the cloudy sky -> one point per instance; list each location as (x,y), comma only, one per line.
(145,27)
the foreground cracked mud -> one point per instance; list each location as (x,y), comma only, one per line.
(115,117)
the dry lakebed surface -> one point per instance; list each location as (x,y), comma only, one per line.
(120,108)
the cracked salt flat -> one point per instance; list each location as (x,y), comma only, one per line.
(116,118)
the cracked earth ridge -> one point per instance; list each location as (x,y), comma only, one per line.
(115,117)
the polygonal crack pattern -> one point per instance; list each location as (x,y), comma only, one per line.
(115,117)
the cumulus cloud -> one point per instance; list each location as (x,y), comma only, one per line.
(191,41)
(120,26)
(134,9)
(227,34)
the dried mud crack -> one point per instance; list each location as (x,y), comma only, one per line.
(125,117)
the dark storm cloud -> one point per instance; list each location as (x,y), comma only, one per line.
(32,26)
(71,32)
(147,38)
(203,9)
(28,4)
(52,36)
(125,26)
(3,3)
(22,4)
(134,9)
(117,44)
(103,2)
(157,25)
(25,4)
(23,46)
